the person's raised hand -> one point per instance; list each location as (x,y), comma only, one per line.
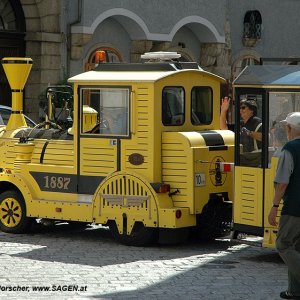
(225,102)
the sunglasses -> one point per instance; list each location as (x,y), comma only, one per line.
(243,107)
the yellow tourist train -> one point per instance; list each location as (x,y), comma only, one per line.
(144,155)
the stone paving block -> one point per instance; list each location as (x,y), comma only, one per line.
(218,270)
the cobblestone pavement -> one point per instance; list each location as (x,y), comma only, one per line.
(90,265)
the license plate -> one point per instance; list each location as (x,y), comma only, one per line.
(200,179)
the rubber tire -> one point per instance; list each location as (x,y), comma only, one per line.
(25,223)
(213,214)
(140,235)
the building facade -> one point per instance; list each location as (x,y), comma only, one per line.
(61,36)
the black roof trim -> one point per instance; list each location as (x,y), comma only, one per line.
(134,67)
(167,66)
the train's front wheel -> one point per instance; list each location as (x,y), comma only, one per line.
(13,217)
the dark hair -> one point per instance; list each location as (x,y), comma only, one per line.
(251,104)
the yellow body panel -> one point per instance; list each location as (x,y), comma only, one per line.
(57,153)
(185,154)
(97,157)
(142,140)
(61,210)
(248,194)
(270,231)
(167,218)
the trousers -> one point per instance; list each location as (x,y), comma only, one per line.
(288,247)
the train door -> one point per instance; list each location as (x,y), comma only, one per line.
(104,123)
(250,160)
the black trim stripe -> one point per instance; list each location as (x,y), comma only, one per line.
(212,138)
(47,182)
(68,183)
(27,62)
(217,148)
(118,155)
(43,152)
(17,112)
(16,91)
(88,184)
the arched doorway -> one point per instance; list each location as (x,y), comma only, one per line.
(12,33)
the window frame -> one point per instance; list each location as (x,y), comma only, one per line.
(270,101)
(104,135)
(264,116)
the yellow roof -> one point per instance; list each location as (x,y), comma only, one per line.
(129,76)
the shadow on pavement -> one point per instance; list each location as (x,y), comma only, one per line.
(95,247)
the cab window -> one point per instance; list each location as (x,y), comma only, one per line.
(104,111)
(173,103)
(201,103)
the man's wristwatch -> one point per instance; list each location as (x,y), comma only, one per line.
(275,205)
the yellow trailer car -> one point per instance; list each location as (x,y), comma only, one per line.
(276,91)
(144,155)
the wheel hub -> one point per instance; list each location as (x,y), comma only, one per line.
(10,212)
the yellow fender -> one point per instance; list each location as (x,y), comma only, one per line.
(125,198)
(18,182)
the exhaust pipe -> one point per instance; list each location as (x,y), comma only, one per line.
(17,70)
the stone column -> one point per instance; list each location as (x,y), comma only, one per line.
(139,47)
(43,45)
(78,41)
(216,57)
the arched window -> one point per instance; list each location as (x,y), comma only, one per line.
(11,16)
(7,16)
(112,56)
(240,64)
(252,25)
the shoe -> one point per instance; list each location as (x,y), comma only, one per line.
(288,295)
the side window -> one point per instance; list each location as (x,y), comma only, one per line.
(201,105)
(105,111)
(280,105)
(173,103)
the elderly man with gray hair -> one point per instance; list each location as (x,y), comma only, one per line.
(287,187)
